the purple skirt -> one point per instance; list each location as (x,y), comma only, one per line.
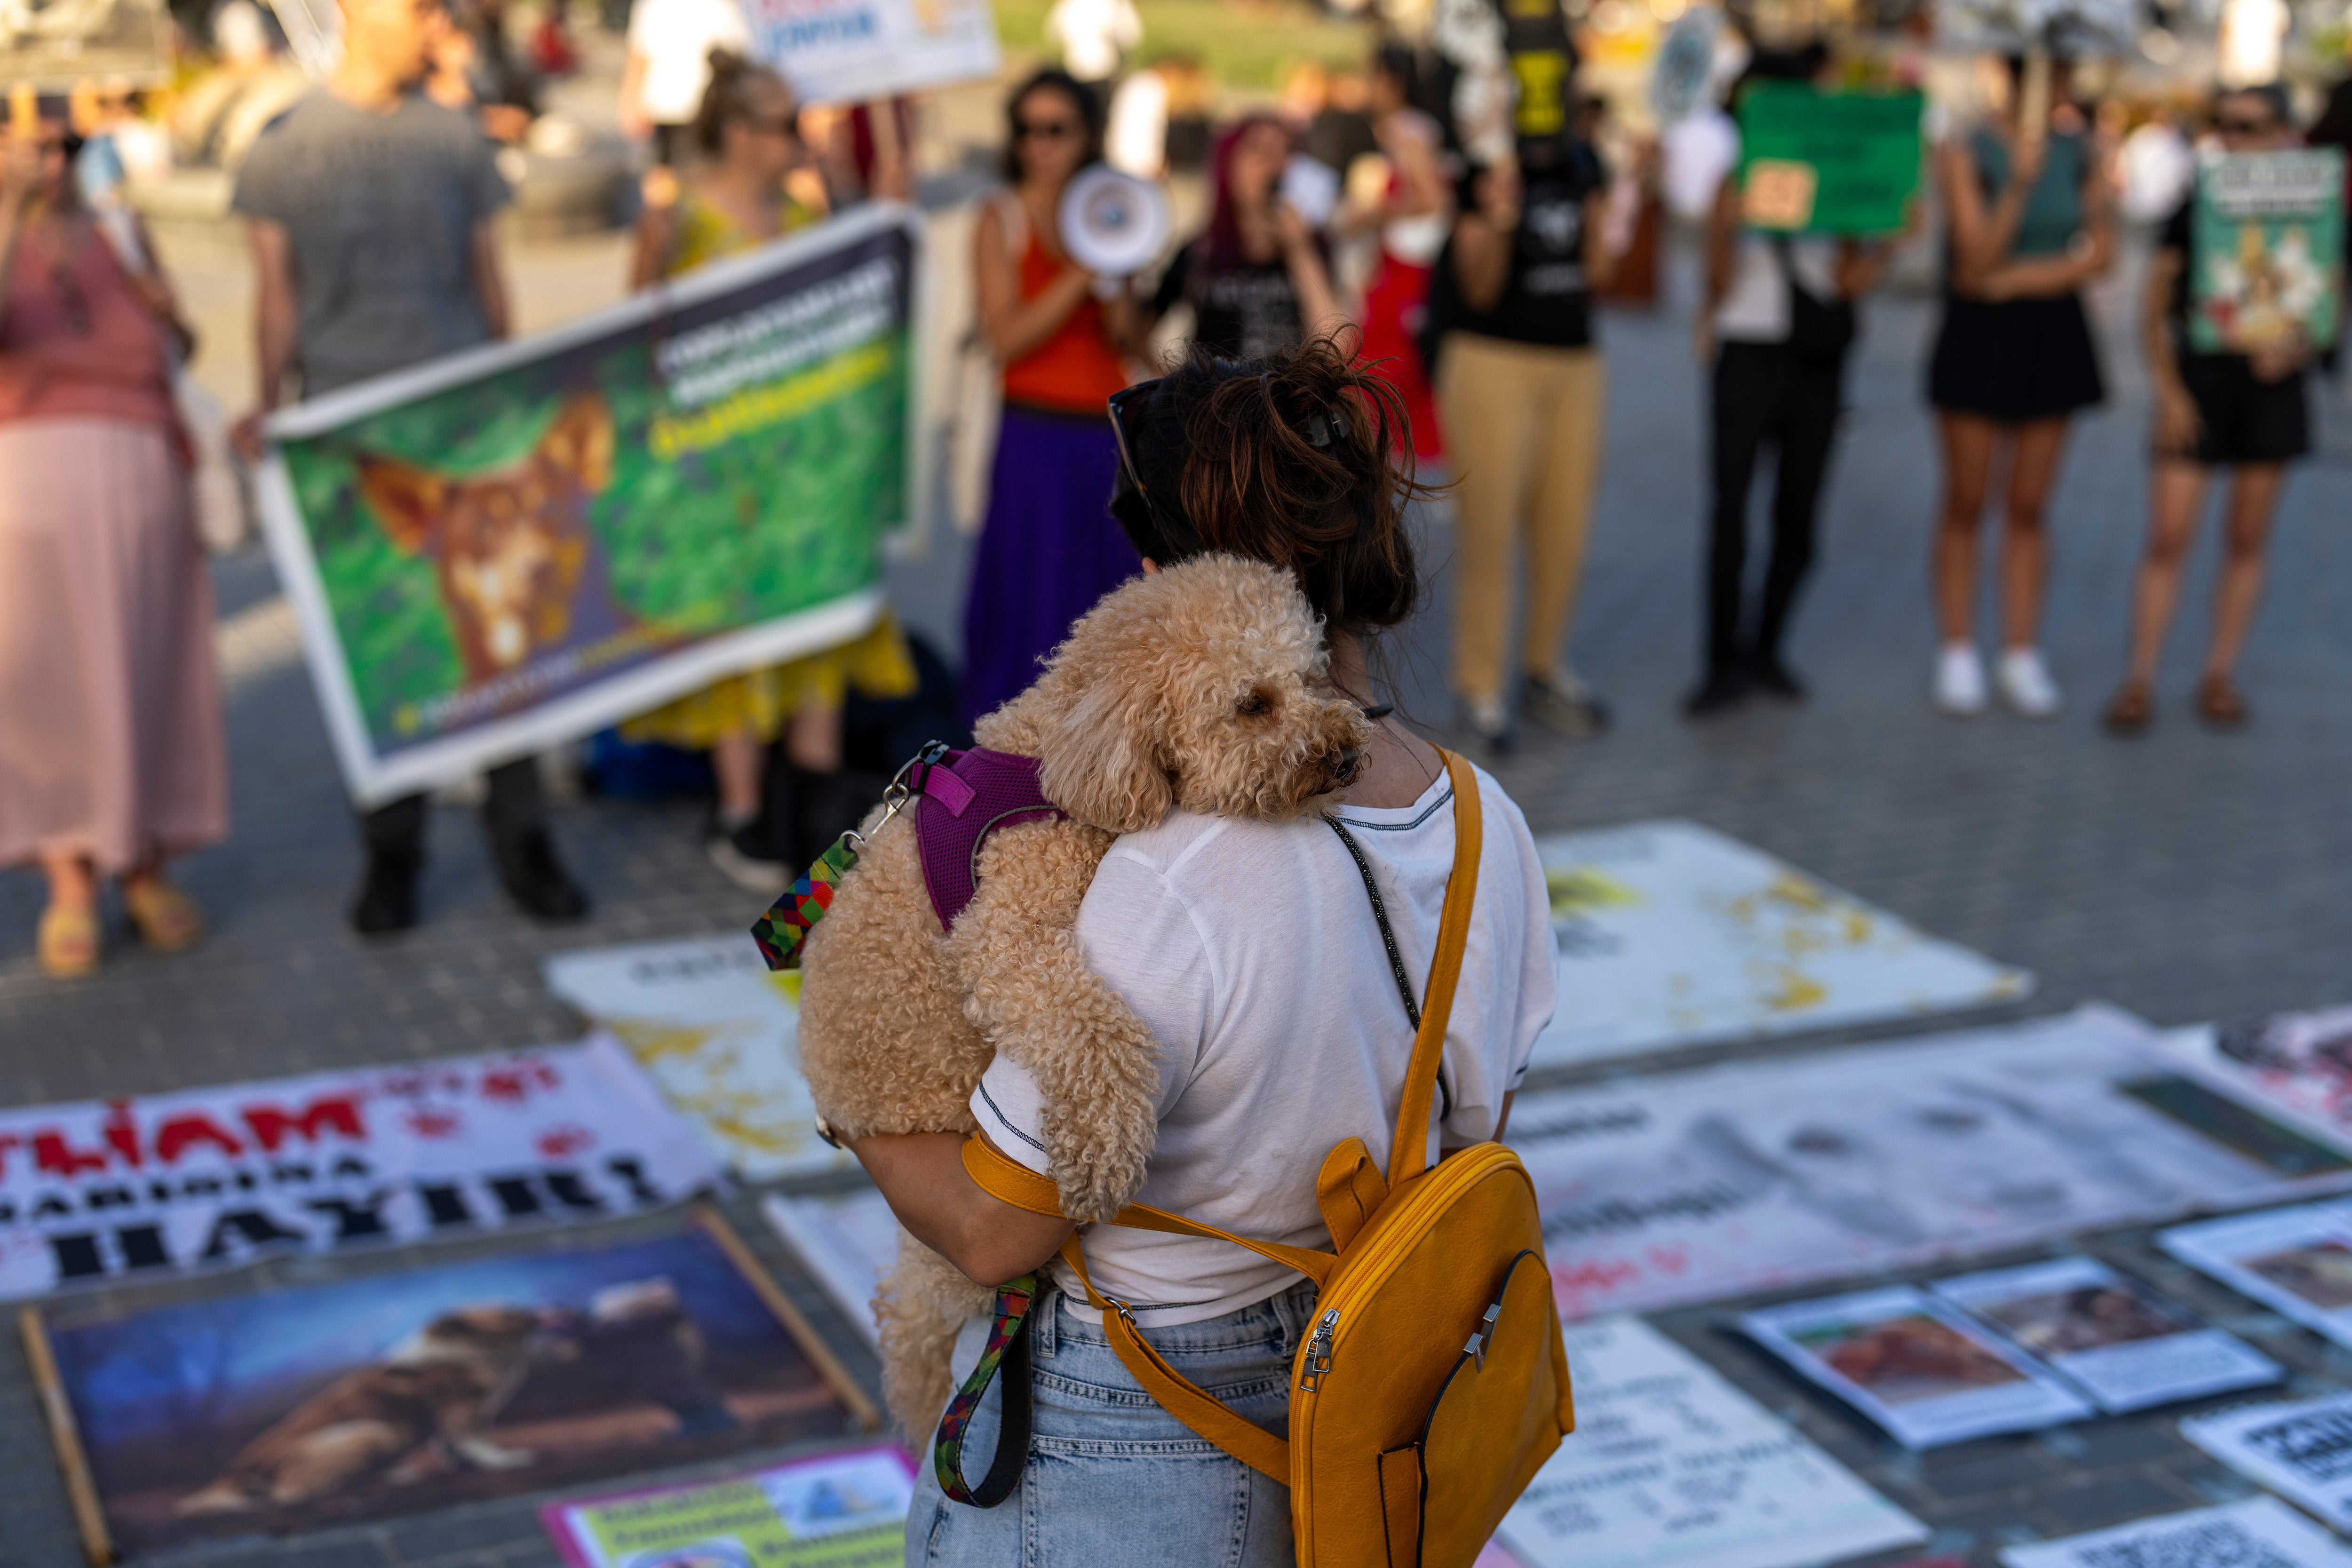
(1047,550)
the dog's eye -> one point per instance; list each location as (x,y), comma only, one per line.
(1255,703)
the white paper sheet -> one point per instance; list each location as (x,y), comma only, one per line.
(2261,1532)
(2301,1448)
(2296,1261)
(1671,1467)
(1673,934)
(1915,1366)
(2298,1064)
(1694,1185)
(2112,1337)
(848,1242)
(719,1033)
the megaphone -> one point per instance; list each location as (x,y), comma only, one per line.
(1113,224)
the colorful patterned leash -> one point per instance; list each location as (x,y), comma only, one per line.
(1008,1346)
(780,931)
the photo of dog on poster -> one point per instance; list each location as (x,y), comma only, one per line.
(290,1410)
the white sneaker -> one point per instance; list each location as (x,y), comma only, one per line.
(1959,680)
(2025,684)
(1490,722)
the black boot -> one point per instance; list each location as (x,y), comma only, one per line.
(387,895)
(535,880)
(1722,689)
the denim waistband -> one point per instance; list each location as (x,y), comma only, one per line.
(1285,1314)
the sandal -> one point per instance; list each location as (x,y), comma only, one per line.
(2220,704)
(69,942)
(2132,711)
(167,919)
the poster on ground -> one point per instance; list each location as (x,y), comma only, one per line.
(2261,1532)
(145,1188)
(843,1510)
(2301,1449)
(290,1410)
(1671,1467)
(1922,1370)
(2111,1337)
(848,1242)
(2296,1261)
(2298,1064)
(1672,934)
(2266,253)
(1714,1182)
(517,545)
(719,1033)
(849,51)
(52,46)
(1829,163)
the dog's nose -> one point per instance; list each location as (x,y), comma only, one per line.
(1342,764)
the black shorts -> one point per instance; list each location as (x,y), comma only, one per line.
(2012,361)
(2245,420)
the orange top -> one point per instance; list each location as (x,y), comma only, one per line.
(1077,369)
(75,341)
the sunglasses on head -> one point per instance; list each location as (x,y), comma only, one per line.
(1124,405)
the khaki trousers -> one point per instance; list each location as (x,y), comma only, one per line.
(1523,430)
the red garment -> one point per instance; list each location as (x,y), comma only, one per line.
(76,341)
(1396,303)
(1077,369)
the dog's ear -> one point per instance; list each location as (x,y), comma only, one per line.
(1097,762)
(580,442)
(408,501)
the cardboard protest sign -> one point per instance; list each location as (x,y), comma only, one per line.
(1673,934)
(52,46)
(1671,1467)
(844,51)
(295,1409)
(140,1188)
(838,1512)
(2266,251)
(1828,162)
(2261,1532)
(2299,1449)
(1696,1185)
(519,544)
(718,1034)
(848,1242)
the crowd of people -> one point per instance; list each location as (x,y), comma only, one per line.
(1465,277)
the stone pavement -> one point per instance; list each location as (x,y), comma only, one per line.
(2184,875)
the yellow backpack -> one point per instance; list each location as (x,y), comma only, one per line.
(1435,1384)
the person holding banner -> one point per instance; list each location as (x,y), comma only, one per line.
(2247,409)
(113,757)
(370,208)
(1047,547)
(2026,206)
(732,200)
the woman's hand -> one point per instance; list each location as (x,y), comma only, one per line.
(2177,428)
(1290,228)
(2278,363)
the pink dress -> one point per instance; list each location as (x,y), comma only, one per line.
(110,729)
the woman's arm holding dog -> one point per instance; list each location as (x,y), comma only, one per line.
(922,1176)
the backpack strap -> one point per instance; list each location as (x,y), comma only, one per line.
(1409,1153)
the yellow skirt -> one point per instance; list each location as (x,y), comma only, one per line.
(757,701)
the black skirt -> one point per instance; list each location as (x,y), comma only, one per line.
(2014,360)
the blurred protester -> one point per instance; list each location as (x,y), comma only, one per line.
(735,199)
(1047,547)
(1522,388)
(1776,325)
(669,66)
(216,117)
(112,753)
(1341,131)
(1093,35)
(1412,213)
(1257,280)
(369,209)
(477,72)
(2027,225)
(2247,410)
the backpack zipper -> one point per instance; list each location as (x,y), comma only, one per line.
(1319,1353)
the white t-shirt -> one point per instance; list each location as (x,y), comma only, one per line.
(676,36)
(1251,951)
(1756,309)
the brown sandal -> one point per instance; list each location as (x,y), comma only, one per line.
(2220,703)
(69,942)
(2133,708)
(166,918)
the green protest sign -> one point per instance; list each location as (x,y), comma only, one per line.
(1828,162)
(2267,245)
(520,545)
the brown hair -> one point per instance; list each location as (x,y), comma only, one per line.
(728,97)
(1285,459)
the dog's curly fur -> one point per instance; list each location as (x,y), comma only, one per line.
(1203,685)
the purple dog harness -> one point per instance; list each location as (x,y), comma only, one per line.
(967,796)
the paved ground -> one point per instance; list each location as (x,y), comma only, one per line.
(2185,876)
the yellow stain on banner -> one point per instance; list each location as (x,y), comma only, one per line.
(674,434)
(1577,889)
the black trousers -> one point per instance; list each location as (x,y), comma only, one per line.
(513,810)
(1765,392)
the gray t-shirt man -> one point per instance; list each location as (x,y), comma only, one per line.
(378,212)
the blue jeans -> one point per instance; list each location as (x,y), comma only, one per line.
(1111,1477)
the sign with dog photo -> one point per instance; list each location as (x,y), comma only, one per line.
(517,545)
(843,1510)
(397,1392)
